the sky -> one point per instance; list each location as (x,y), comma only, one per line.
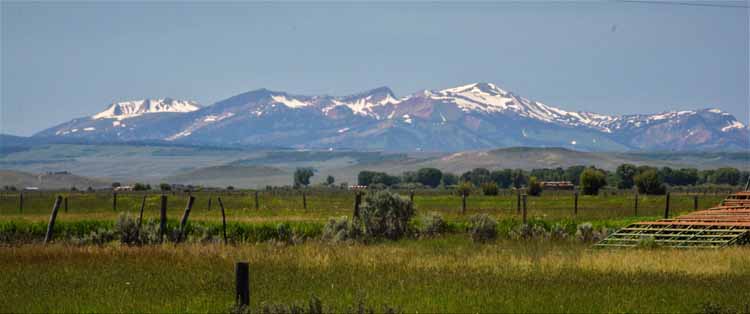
(65,60)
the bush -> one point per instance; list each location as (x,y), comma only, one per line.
(433,224)
(482,228)
(464,188)
(649,182)
(592,180)
(126,228)
(489,188)
(339,230)
(385,214)
(535,188)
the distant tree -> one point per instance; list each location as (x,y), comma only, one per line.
(449,179)
(230,188)
(139,187)
(409,177)
(116,184)
(371,178)
(73,189)
(518,178)
(489,188)
(573,174)
(330,180)
(503,178)
(626,173)
(89,189)
(464,188)
(165,187)
(726,175)
(476,176)
(302,176)
(148,187)
(429,176)
(649,182)
(592,180)
(535,187)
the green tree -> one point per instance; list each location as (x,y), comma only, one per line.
(302,176)
(489,188)
(165,187)
(649,182)
(449,179)
(592,180)
(573,174)
(535,187)
(626,173)
(429,176)
(476,176)
(140,187)
(518,178)
(464,188)
(502,178)
(725,175)
(330,180)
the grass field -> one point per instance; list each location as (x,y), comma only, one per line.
(448,274)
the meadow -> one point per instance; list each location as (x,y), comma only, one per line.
(444,273)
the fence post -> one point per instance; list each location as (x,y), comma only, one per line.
(257,204)
(463,202)
(114,201)
(357,200)
(524,208)
(304,200)
(411,196)
(695,202)
(140,217)
(163,218)
(20,202)
(575,203)
(184,220)
(52,217)
(242,294)
(65,204)
(635,206)
(223,220)
(666,207)
(518,201)
(209,203)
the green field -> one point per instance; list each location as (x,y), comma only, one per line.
(446,273)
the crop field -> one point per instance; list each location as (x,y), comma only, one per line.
(417,274)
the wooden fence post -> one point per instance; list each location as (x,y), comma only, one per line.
(357,201)
(463,202)
(52,217)
(575,203)
(518,201)
(411,196)
(304,200)
(209,203)
(140,217)
(163,218)
(114,201)
(65,204)
(695,202)
(242,278)
(20,202)
(223,220)
(524,208)
(184,220)
(635,206)
(257,204)
(666,207)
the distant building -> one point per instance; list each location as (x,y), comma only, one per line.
(357,187)
(31,188)
(557,185)
(124,188)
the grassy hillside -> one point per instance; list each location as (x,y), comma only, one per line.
(49,181)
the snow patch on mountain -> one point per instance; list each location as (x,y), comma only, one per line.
(134,108)
(289,102)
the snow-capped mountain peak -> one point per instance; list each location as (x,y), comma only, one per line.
(134,108)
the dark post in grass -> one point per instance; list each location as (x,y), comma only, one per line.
(635,205)
(65,204)
(524,208)
(357,201)
(140,217)
(695,202)
(223,220)
(242,294)
(163,218)
(20,202)
(463,202)
(114,202)
(184,220)
(575,203)
(52,217)
(518,201)
(209,203)
(411,196)
(257,204)
(304,200)
(666,206)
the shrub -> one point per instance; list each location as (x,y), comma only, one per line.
(482,228)
(489,188)
(535,188)
(342,229)
(585,232)
(648,242)
(385,214)
(433,224)
(126,228)
(649,182)
(592,180)
(464,188)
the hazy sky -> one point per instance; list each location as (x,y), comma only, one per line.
(67,60)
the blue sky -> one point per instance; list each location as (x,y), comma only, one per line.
(67,60)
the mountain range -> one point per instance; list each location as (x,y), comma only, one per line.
(469,117)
